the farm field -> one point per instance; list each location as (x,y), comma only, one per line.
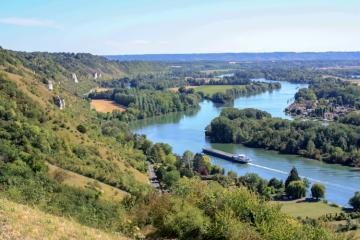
(106,106)
(211,89)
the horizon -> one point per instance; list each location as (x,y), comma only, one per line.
(187,27)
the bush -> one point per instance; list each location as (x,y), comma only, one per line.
(296,189)
(81,128)
(355,201)
(318,191)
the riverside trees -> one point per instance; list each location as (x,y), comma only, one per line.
(332,143)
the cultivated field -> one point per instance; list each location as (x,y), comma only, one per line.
(211,89)
(106,106)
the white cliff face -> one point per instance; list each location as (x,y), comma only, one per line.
(50,86)
(95,75)
(75,78)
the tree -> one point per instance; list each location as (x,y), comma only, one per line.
(170,178)
(293,176)
(202,164)
(188,157)
(355,201)
(232,174)
(275,183)
(318,191)
(296,189)
(310,148)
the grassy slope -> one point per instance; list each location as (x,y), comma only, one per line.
(20,222)
(17,221)
(77,111)
(77,180)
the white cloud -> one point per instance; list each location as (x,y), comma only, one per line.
(28,22)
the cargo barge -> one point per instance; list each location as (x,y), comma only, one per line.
(238,158)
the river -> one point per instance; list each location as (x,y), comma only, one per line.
(185,131)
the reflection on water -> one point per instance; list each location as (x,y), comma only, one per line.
(185,131)
(165,119)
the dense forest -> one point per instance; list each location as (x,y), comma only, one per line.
(333,143)
(146,103)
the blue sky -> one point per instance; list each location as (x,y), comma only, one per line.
(179,26)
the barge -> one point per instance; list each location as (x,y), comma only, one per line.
(238,158)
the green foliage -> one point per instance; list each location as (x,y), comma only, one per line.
(293,176)
(318,191)
(206,210)
(146,103)
(296,189)
(171,177)
(355,201)
(250,89)
(333,143)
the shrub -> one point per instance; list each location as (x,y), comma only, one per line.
(318,191)
(81,128)
(296,189)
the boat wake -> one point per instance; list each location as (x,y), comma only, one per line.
(309,178)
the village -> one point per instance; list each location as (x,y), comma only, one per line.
(326,111)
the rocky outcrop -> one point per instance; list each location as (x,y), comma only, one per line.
(75,78)
(50,86)
(59,102)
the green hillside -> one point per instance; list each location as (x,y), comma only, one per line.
(60,67)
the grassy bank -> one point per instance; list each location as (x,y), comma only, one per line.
(301,208)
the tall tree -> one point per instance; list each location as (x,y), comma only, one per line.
(293,176)
(318,191)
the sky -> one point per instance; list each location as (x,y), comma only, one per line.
(179,26)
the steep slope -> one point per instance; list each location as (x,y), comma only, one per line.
(21,222)
(77,73)
(60,160)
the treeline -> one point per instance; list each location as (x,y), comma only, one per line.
(333,143)
(142,103)
(239,78)
(158,81)
(244,90)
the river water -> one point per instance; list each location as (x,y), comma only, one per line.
(185,131)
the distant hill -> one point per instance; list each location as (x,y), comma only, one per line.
(237,57)
(75,72)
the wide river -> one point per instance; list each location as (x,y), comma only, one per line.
(185,131)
